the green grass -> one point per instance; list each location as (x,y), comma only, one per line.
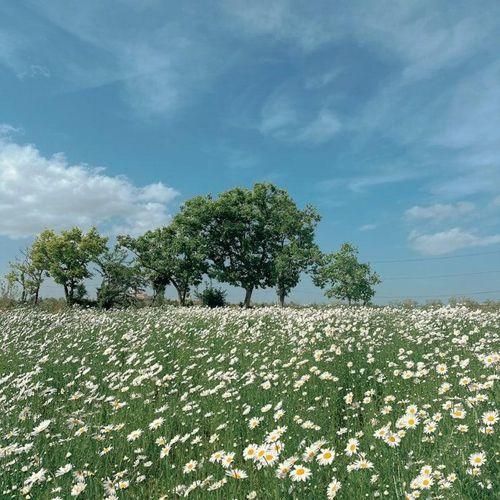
(203,370)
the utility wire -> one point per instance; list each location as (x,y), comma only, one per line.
(460,294)
(438,276)
(419,259)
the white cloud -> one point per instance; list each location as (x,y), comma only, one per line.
(439,211)
(37,192)
(368,227)
(449,241)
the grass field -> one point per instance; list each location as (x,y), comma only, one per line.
(232,404)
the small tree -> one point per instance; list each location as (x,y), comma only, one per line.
(66,258)
(344,277)
(121,282)
(187,260)
(28,276)
(296,250)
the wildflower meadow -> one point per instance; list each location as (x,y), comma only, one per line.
(266,403)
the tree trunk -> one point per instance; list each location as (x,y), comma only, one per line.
(159,293)
(66,294)
(248,296)
(182,296)
(282,295)
(37,293)
(349,300)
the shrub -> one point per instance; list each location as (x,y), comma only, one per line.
(212,296)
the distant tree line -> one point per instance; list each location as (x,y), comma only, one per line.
(249,238)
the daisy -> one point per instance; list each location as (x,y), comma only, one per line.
(363,463)
(134,435)
(123,485)
(300,473)
(333,488)
(165,451)
(430,427)
(270,457)
(477,459)
(410,421)
(227,460)
(458,413)
(250,452)
(490,417)
(426,470)
(392,439)
(442,369)
(190,467)
(411,410)
(325,457)
(351,447)
(216,456)
(41,427)
(155,424)
(425,482)
(236,473)
(63,470)
(78,488)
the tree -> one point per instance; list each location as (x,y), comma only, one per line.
(121,282)
(152,260)
(169,255)
(241,232)
(296,250)
(188,261)
(28,275)
(345,277)
(66,258)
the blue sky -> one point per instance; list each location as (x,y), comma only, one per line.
(384,115)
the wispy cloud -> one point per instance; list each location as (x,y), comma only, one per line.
(283,120)
(159,66)
(323,79)
(368,227)
(448,241)
(439,211)
(425,37)
(38,192)
(363,183)
(321,129)
(34,71)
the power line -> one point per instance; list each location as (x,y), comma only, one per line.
(460,294)
(439,276)
(419,259)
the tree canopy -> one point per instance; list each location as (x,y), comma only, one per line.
(66,256)
(121,280)
(250,235)
(344,277)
